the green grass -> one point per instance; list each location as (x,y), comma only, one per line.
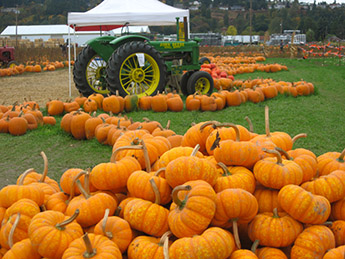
(321,116)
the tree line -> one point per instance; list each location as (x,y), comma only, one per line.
(316,22)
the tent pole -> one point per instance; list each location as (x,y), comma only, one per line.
(69,60)
(75,47)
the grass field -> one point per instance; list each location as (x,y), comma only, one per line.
(321,116)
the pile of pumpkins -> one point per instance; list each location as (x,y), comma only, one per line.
(17,119)
(230,93)
(34,67)
(224,192)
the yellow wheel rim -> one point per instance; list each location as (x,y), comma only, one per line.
(95,75)
(202,85)
(12,65)
(140,80)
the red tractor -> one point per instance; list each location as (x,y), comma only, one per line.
(7,57)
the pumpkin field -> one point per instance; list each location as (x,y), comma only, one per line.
(252,177)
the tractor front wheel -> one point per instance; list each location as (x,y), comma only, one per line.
(89,73)
(201,82)
(136,68)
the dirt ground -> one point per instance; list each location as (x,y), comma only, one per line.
(39,87)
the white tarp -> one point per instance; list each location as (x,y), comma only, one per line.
(135,12)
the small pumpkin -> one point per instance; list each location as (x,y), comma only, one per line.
(192,209)
(91,245)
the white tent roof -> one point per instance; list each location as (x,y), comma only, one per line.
(60,29)
(135,12)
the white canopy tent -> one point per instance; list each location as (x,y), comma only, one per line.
(111,14)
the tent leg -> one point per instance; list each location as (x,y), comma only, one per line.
(69,61)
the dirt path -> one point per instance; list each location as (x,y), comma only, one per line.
(39,87)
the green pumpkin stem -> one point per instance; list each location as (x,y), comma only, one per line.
(45,171)
(276,153)
(21,181)
(62,225)
(298,136)
(255,245)
(82,190)
(104,225)
(117,211)
(13,228)
(341,157)
(156,191)
(251,128)
(224,168)
(236,235)
(267,122)
(174,194)
(90,252)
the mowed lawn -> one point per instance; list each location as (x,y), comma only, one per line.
(321,116)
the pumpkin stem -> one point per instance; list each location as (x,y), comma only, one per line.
(156,191)
(276,153)
(117,211)
(159,171)
(87,181)
(298,136)
(82,190)
(251,128)
(13,228)
(195,150)
(255,245)
(71,195)
(168,125)
(142,146)
(224,168)
(104,225)
(208,123)
(90,252)
(174,194)
(62,225)
(275,213)
(164,237)
(341,157)
(267,122)
(45,172)
(21,181)
(282,151)
(236,236)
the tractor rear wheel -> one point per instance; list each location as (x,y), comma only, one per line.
(184,81)
(12,64)
(201,82)
(136,68)
(89,73)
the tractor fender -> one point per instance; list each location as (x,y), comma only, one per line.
(104,46)
(127,38)
(101,45)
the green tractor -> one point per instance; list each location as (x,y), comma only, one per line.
(132,64)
